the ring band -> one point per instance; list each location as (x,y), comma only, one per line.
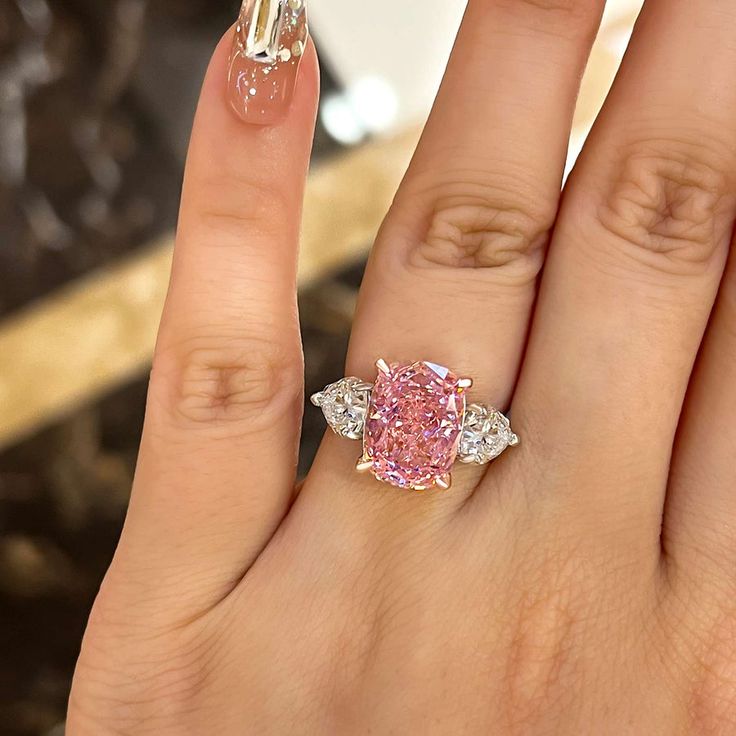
(414,423)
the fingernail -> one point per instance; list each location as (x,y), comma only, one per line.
(269,42)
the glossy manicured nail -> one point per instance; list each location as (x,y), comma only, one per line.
(269,42)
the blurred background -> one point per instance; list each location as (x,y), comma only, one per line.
(96,102)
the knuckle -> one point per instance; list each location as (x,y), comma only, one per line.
(669,204)
(486,228)
(563,17)
(556,610)
(236,205)
(538,654)
(229,380)
(543,637)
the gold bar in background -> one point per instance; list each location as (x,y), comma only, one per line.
(79,342)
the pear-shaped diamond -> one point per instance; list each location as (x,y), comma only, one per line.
(486,434)
(345,405)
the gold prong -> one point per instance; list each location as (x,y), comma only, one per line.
(316,399)
(513,440)
(382,366)
(445,481)
(364,464)
(465,383)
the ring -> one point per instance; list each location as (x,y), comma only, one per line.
(414,423)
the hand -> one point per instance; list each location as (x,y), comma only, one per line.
(584,582)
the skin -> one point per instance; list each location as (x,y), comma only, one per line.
(581,584)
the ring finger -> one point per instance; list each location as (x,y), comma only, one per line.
(452,277)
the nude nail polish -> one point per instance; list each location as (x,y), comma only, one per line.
(270,39)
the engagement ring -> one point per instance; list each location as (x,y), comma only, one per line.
(414,423)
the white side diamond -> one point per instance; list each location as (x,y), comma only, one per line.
(345,405)
(486,434)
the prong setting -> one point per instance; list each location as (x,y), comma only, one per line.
(383,366)
(364,464)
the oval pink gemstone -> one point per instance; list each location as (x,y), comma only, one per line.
(414,423)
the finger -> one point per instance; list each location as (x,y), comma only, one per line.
(452,277)
(700,515)
(633,271)
(218,456)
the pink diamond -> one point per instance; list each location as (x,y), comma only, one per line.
(414,423)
